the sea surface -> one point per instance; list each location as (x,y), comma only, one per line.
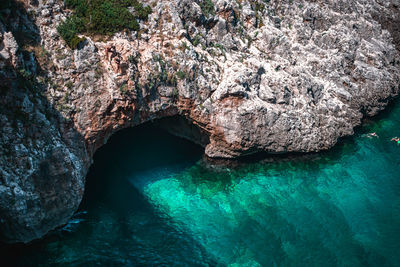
(152,200)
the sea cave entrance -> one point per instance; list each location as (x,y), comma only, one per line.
(117,216)
(135,151)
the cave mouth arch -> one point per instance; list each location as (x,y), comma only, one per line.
(114,205)
(165,144)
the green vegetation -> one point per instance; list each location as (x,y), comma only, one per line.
(259,9)
(75,41)
(69,30)
(171,79)
(181,75)
(183,46)
(175,93)
(220,46)
(207,7)
(69,85)
(124,89)
(25,74)
(104,17)
(196,40)
(98,72)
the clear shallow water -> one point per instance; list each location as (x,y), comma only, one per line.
(151,200)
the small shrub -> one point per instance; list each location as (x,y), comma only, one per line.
(108,18)
(249,41)
(43,52)
(104,17)
(175,93)
(134,59)
(76,41)
(98,72)
(69,85)
(69,30)
(171,79)
(196,40)
(207,7)
(26,74)
(183,46)
(124,89)
(181,75)
(220,46)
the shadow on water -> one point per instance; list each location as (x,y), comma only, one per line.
(115,223)
(132,158)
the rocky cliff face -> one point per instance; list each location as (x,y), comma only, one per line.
(243,77)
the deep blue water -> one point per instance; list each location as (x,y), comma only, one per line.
(152,200)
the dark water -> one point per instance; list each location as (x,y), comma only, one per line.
(152,201)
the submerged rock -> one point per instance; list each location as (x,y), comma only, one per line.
(244,77)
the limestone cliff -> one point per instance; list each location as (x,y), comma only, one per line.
(243,77)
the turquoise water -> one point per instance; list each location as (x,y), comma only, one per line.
(152,200)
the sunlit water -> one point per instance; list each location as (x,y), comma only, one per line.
(151,200)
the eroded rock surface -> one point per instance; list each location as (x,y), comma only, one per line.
(250,76)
